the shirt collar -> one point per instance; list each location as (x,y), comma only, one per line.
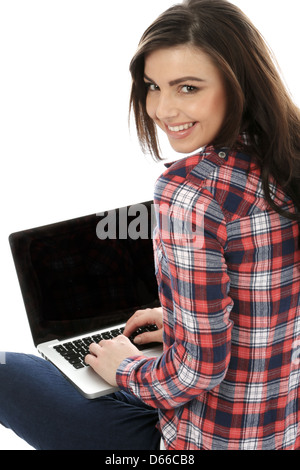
(243,139)
(169,164)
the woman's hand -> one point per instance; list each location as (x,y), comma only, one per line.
(149,316)
(106,356)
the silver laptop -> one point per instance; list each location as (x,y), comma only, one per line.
(81,280)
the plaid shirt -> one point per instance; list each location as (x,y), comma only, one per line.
(228,271)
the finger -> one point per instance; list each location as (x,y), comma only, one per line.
(140,318)
(94,349)
(132,325)
(149,337)
(90,360)
(131,322)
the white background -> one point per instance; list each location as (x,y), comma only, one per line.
(65,145)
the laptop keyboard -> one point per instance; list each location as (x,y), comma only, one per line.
(75,351)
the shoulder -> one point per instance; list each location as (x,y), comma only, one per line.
(229,178)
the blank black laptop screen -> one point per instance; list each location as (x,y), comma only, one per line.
(73,282)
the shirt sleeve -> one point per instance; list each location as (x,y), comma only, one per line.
(194,285)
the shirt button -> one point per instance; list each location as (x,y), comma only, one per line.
(189,357)
(222,155)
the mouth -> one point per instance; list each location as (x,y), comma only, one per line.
(182,127)
(180,131)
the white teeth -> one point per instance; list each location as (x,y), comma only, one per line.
(181,128)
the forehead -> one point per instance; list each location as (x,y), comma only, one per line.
(182,60)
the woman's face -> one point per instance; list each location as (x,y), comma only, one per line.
(186,96)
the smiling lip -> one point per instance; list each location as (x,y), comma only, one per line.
(180,131)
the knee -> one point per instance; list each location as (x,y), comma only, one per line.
(14,368)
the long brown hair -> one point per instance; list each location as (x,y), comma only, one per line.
(260,105)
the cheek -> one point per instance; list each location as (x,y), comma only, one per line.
(219,106)
(211,113)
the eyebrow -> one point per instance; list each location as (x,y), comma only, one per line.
(179,80)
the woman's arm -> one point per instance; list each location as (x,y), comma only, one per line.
(194,292)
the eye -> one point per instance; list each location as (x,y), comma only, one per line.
(151,86)
(188,89)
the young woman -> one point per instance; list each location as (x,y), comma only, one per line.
(227,260)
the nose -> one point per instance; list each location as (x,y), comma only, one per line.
(166,107)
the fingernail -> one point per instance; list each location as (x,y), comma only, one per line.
(137,340)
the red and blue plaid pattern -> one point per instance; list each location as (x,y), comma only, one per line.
(228,271)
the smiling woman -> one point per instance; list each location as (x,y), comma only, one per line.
(186,96)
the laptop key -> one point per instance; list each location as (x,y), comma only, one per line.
(61,349)
(107,335)
(97,338)
(88,340)
(117,332)
(79,365)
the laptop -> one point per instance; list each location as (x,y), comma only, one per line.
(81,280)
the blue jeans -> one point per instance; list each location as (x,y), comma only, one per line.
(45,410)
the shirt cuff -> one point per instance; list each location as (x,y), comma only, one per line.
(125,369)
